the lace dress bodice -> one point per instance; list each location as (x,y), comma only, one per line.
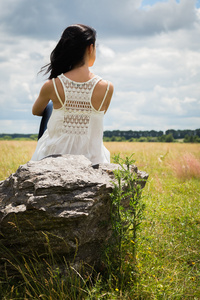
(76,127)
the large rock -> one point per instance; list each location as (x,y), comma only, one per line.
(61,199)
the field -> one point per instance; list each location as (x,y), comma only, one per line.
(168,251)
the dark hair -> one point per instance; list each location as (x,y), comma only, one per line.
(70,50)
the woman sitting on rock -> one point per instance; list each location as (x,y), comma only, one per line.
(79,100)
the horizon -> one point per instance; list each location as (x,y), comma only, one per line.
(13,133)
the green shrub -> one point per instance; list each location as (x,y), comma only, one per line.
(127,213)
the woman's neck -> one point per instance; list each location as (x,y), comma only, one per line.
(80,74)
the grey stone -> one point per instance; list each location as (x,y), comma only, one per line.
(61,201)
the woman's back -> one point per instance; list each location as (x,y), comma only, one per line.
(80,99)
(78,76)
(76,127)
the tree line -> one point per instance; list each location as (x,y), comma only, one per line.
(171,135)
(18,136)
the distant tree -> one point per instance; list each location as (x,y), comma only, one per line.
(106,139)
(117,139)
(197,132)
(7,137)
(154,133)
(172,132)
(132,140)
(142,139)
(169,138)
(152,139)
(191,139)
(162,138)
(180,134)
(34,137)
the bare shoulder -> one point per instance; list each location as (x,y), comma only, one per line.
(47,90)
(47,86)
(103,84)
(99,92)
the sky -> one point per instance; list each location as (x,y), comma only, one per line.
(148,49)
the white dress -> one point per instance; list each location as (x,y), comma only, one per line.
(75,128)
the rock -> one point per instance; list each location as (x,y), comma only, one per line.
(61,201)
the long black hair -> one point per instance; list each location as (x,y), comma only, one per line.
(70,50)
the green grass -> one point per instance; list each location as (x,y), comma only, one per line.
(168,253)
(168,248)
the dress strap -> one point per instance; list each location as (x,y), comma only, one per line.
(104,96)
(55,88)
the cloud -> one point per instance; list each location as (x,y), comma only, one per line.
(106,52)
(150,53)
(19,126)
(170,15)
(158,82)
(46,19)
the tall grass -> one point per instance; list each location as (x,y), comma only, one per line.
(13,154)
(168,253)
(168,257)
(186,167)
(37,278)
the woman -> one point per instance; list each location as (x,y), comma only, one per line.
(80,99)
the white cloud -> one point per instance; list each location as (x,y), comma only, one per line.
(19,126)
(106,52)
(151,55)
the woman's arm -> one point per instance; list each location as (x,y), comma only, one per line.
(43,99)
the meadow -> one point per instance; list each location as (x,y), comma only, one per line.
(168,246)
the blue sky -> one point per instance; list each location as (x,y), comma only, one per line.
(148,49)
(152,2)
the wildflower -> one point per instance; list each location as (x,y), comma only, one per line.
(116,290)
(160,286)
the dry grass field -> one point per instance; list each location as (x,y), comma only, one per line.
(13,154)
(169,237)
(149,156)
